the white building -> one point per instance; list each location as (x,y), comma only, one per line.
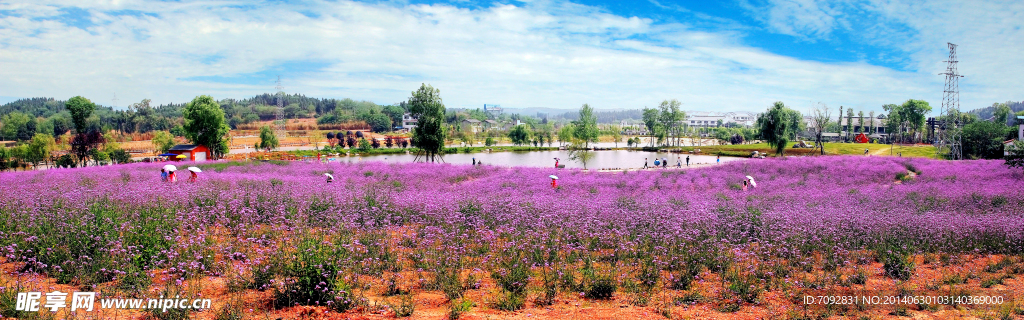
(408,122)
(710,119)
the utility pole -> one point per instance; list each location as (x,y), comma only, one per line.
(948,142)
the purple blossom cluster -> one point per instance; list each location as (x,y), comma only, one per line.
(100,223)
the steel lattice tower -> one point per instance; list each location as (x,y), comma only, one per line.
(948,138)
(279,116)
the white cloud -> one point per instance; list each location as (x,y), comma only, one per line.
(540,54)
(988,35)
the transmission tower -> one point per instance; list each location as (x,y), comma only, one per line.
(279,116)
(947,143)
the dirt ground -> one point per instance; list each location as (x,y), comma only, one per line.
(710,302)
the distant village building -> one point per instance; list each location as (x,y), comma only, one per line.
(471,126)
(1020,136)
(408,121)
(711,119)
(492,109)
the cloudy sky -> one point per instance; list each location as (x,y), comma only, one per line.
(711,55)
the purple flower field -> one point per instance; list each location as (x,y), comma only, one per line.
(281,228)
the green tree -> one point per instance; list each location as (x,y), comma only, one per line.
(650,119)
(984,139)
(821,119)
(80,108)
(120,156)
(16,126)
(364,145)
(871,124)
(584,132)
(1015,159)
(39,149)
(670,116)
(163,141)
(394,113)
(616,133)
(519,135)
(774,127)
(267,138)
(429,135)
(61,125)
(860,122)
(565,134)
(585,128)
(205,125)
(378,122)
(1001,113)
(894,123)
(849,122)
(914,112)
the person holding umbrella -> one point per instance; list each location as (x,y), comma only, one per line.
(329,177)
(752,183)
(170,168)
(193,171)
(554,181)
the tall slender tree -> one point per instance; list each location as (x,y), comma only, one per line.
(430,133)
(205,125)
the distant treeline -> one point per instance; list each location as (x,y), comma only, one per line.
(604,116)
(21,119)
(987,112)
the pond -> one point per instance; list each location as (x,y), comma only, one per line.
(619,159)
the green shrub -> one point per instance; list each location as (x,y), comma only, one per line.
(458,308)
(405,307)
(602,287)
(508,301)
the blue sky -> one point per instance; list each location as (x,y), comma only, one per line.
(711,55)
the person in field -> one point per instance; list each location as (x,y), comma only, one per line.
(687,161)
(193,177)
(744,185)
(645,163)
(679,162)
(664,163)
(163,175)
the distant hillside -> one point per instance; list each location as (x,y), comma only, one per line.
(986,112)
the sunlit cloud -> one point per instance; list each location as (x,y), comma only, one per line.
(536,54)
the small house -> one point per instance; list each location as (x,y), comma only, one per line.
(192,152)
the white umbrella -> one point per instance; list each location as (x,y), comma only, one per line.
(170,167)
(329,176)
(553,177)
(752,183)
(194,169)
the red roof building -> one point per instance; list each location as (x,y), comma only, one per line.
(191,152)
